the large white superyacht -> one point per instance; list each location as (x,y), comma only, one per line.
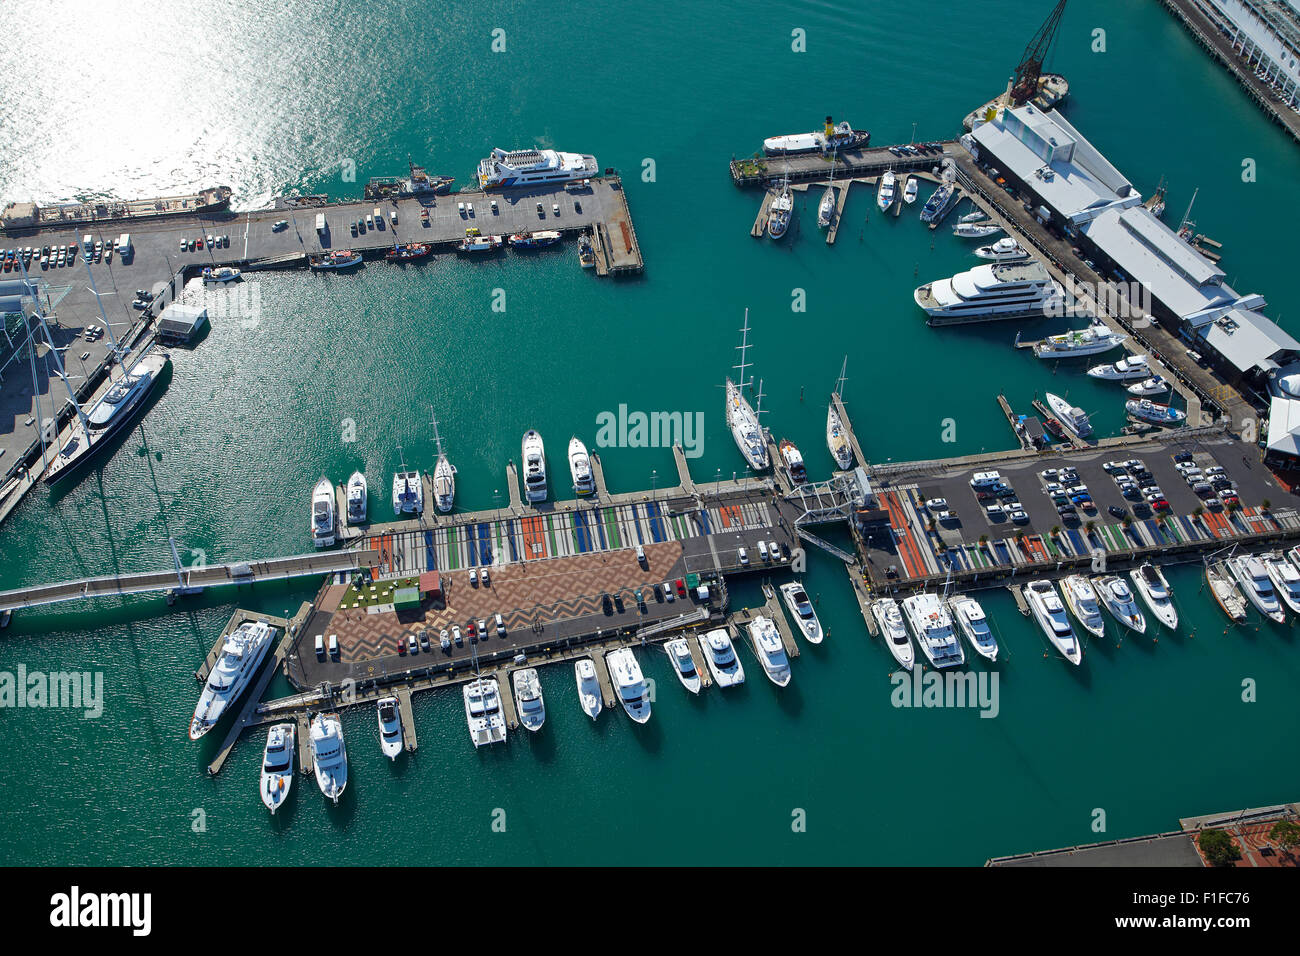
(894,631)
(629,684)
(1002,290)
(242,654)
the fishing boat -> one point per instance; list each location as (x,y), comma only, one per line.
(444,475)
(1078,342)
(390,726)
(219,274)
(974,626)
(479,244)
(1117,598)
(1047,609)
(323,518)
(793,461)
(886,190)
(357,498)
(529,703)
(534,240)
(1126,369)
(679,655)
(586,252)
(1154,385)
(909,190)
(408,252)
(487,724)
(1253,577)
(629,684)
(1285,578)
(584,483)
(832,136)
(1081,598)
(1150,582)
(770,652)
(584,675)
(1005,249)
(1154,412)
(534,458)
(329,755)
(890,620)
(801,609)
(1071,416)
(720,657)
(339,259)
(937,204)
(1225,591)
(242,654)
(933,630)
(277,765)
(975,230)
(778,215)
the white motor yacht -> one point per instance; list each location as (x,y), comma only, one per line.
(975,230)
(529,703)
(909,190)
(679,655)
(1005,249)
(778,216)
(933,630)
(277,765)
(1154,385)
(1256,583)
(1117,598)
(242,654)
(890,620)
(584,674)
(1125,370)
(1081,597)
(629,684)
(1074,419)
(771,653)
(1047,609)
(534,458)
(357,498)
(1285,578)
(323,521)
(329,755)
(975,626)
(580,467)
(886,191)
(720,657)
(1079,342)
(390,726)
(801,609)
(487,725)
(1149,581)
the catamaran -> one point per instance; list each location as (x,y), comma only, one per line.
(242,654)
(679,655)
(357,498)
(629,684)
(1125,370)
(528,698)
(890,620)
(1079,342)
(975,626)
(277,765)
(584,675)
(322,514)
(1252,574)
(1225,591)
(1049,612)
(778,215)
(1117,598)
(801,609)
(933,630)
(742,419)
(444,475)
(534,457)
(504,169)
(886,191)
(390,726)
(1071,416)
(408,491)
(1285,578)
(1150,582)
(1081,598)
(771,654)
(483,714)
(1154,412)
(720,657)
(329,755)
(580,467)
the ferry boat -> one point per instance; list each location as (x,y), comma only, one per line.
(1125,370)
(339,259)
(1005,249)
(1285,578)
(770,652)
(242,654)
(121,405)
(890,620)
(584,483)
(584,675)
(1225,591)
(357,498)
(1252,574)
(1117,598)
(826,208)
(1001,290)
(390,726)
(793,461)
(409,252)
(219,274)
(933,630)
(1081,598)
(1154,412)
(778,214)
(534,458)
(679,655)
(745,429)
(720,658)
(408,493)
(975,230)
(937,204)
(975,626)
(886,190)
(629,684)
(837,440)
(277,765)
(487,725)
(323,518)
(1071,416)
(1150,582)
(534,240)
(1079,342)
(329,755)
(586,252)
(831,136)
(529,703)
(909,190)
(801,609)
(506,169)
(1049,612)
(1155,385)
(478,243)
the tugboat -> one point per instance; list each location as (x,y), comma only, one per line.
(831,136)
(408,252)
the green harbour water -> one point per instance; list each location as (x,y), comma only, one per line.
(1145,731)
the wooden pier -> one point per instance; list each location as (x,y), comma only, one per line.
(841,198)
(243,617)
(407,713)
(848,429)
(602,678)
(759,229)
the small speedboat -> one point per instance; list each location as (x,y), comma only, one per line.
(894,631)
(277,765)
(528,698)
(796,599)
(390,727)
(584,673)
(1156,593)
(679,655)
(357,498)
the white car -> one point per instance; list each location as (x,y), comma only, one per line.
(936,504)
(743,556)
(1019,517)
(762,550)
(455,635)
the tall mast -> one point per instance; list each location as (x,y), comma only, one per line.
(744,347)
(839,382)
(437,439)
(1187,216)
(118,351)
(58,362)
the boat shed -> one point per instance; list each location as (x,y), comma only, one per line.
(431,585)
(180,323)
(1283,436)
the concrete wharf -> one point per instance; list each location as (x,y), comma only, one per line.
(847,164)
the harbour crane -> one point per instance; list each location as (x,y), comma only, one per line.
(1025,84)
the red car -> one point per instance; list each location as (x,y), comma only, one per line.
(401,647)
(1160,504)
(681,587)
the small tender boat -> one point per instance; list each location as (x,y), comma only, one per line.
(974,626)
(1156,593)
(357,498)
(277,765)
(584,674)
(1225,592)
(1117,598)
(1126,369)
(1154,412)
(801,609)
(679,655)
(894,631)
(528,698)
(390,727)
(329,755)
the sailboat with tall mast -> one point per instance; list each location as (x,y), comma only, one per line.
(115,410)
(826,208)
(444,475)
(837,438)
(742,418)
